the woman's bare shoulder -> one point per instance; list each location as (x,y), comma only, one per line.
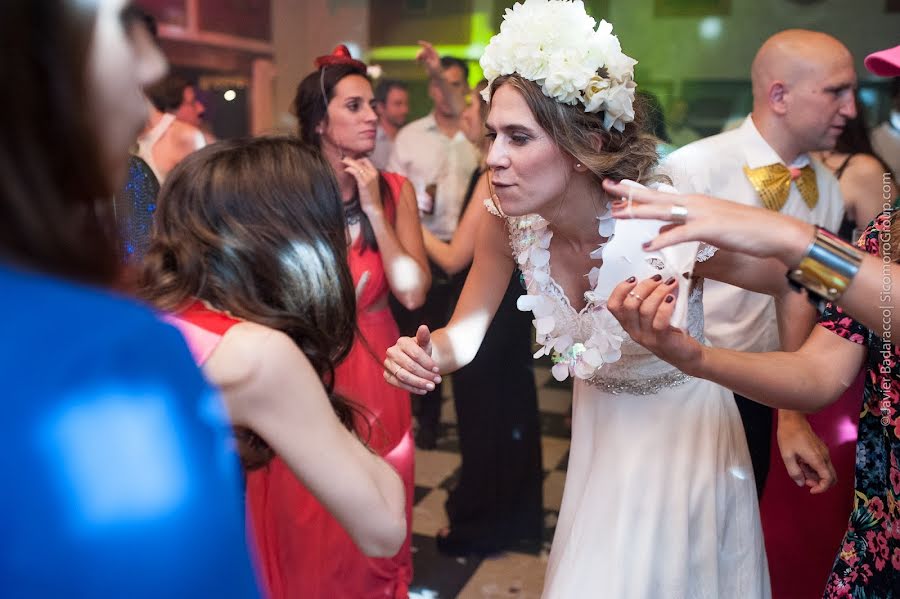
(250,350)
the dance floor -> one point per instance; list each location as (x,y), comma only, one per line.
(512,574)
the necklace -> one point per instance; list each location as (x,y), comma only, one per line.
(352,211)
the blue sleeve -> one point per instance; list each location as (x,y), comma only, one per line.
(121,480)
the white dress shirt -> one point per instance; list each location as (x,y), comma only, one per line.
(425,156)
(382,152)
(736,318)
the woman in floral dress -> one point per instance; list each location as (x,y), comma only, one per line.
(868,563)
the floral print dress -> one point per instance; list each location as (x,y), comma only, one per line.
(868,563)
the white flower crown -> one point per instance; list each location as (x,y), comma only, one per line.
(555,44)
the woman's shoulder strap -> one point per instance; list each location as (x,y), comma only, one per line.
(395,184)
(202,328)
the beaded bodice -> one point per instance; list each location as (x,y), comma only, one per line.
(590,344)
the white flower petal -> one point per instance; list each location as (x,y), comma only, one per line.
(593,356)
(560,371)
(563,343)
(583,370)
(544,326)
(526,303)
(541,276)
(612,355)
(539,257)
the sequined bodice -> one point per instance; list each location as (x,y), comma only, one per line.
(589,344)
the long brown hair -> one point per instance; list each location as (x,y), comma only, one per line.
(53,215)
(254,227)
(629,154)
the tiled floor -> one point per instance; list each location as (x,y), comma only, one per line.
(519,575)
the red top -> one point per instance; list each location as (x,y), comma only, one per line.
(202,328)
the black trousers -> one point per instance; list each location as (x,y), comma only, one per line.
(757,421)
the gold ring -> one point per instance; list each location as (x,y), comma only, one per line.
(635,295)
(399,368)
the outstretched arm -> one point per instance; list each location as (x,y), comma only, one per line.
(431,61)
(756,232)
(412,364)
(454,256)
(807,379)
(270,387)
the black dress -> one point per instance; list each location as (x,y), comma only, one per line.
(497,503)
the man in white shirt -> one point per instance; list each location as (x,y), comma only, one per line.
(392,106)
(886,136)
(434,154)
(803,85)
(170,135)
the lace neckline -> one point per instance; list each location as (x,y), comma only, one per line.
(571,358)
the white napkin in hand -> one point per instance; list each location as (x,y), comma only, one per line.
(624,257)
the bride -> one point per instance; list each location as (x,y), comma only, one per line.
(660,499)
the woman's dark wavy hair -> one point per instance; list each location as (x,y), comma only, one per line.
(255,227)
(854,139)
(629,154)
(310,105)
(53,215)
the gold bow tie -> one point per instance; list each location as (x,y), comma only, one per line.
(773,184)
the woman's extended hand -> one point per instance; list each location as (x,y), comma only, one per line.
(726,225)
(408,364)
(644,310)
(367,181)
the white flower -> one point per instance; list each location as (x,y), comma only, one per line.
(593,93)
(619,106)
(556,44)
(539,305)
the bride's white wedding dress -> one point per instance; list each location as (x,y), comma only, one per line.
(659,501)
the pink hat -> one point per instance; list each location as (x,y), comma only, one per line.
(885,63)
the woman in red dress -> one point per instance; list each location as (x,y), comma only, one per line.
(304,551)
(249,253)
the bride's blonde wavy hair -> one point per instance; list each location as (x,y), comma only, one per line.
(629,154)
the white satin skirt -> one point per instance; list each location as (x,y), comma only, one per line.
(659,501)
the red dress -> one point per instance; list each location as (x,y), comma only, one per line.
(803,532)
(303,551)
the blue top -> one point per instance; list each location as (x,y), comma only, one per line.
(119,478)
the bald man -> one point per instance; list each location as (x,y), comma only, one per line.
(803,84)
